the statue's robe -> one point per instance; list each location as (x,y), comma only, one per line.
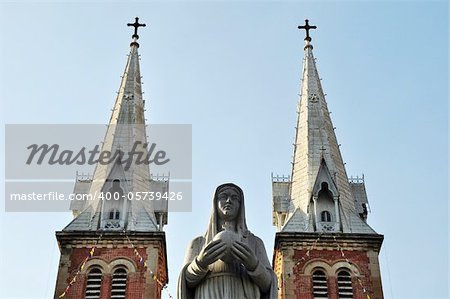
(226,280)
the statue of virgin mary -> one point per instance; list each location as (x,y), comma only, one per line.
(228,262)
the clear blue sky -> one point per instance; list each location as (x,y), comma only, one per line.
(232,70)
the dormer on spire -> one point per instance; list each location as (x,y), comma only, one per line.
(325,201)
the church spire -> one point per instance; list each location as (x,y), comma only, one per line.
(319,188)
(126,133)
(114,247)
(320,214)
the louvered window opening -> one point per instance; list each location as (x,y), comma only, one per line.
(114,214)
(326,216)
(119,284)
(345,288)
(94,284)
(320,287)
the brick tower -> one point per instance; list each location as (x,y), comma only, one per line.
(324,247)
(116,248)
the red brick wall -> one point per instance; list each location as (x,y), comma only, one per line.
(303,281)
(333,287)
(137,282)
(135,286)
(106,286)
(303,287)
(107,254)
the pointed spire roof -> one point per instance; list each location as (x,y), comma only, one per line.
(315,147)
(125,132)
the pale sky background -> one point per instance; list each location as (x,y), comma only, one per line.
(232,70)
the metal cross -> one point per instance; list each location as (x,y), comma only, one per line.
(307,27)
(136,25)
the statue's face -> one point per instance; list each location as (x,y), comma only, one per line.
(228,204)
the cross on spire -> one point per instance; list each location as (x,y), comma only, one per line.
(322,149)
(307,27)
(136,25)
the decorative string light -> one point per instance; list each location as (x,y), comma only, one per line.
(303,258)
(354,273)
(144,263)
(341,250)
(80,269)
(136,253)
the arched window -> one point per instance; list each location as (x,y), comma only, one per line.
(119,284)
(345,289)
(116,191)
(325,216)
(114,214)
(94,284)
(320,287)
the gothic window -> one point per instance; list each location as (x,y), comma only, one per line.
(345,289)
(325,216)
(320,287)
(114,214)
(324,191)
(116,192)
(94,283)
(114,208)
(119,284)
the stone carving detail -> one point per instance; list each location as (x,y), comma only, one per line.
(328,226)
(314,98)
(112,224)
